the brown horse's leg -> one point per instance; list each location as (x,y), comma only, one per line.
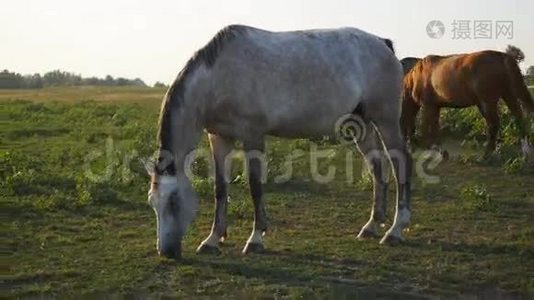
(408,119)
(430,125)
(516,111)
(411,129)
(220,148)
(489,110)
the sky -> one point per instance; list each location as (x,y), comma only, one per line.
(153,39)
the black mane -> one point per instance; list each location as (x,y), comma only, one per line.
(207,55)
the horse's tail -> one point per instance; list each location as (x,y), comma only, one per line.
(389,43)
(517,84)
(516,53)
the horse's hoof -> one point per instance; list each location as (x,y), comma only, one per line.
(208,250)
(445,155)
(483,158)
(391,240)
(367,234)
(253,248)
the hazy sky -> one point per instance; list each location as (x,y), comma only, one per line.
(153,39)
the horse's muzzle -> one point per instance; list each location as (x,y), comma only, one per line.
(173,252)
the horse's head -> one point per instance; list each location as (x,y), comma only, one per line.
(175,203)
(408,63)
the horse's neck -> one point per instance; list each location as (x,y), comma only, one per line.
(186,114)
(184,133)
(188,137)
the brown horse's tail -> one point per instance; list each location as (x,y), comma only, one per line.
(517,84)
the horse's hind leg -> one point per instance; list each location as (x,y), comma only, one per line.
(220,148)
(371,149)
(401,162)
(489,110)
(516,111)
(256,170)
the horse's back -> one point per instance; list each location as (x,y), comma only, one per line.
(280,81)
(338,52)
(460,79)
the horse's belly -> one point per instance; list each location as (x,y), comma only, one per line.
(451,92)
(321,123)
(288,125)
(304,129)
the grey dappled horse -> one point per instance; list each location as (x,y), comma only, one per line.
(247,83)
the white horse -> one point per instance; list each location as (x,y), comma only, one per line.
(247,83)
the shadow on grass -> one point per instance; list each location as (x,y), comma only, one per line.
(292,270)
(474,249)
(297,186)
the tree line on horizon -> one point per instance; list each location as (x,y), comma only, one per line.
(13,80)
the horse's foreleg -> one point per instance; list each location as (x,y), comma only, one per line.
(221,148)
(430,125)
(411,127)
(516,111)
(408,120)
(256,170)
(371,150)
(431,129)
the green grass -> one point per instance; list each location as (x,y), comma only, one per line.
(66,235)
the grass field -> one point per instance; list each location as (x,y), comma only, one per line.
(74,226)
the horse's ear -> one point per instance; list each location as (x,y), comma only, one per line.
(150,167)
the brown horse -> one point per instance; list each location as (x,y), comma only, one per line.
(463,80)
(408,63)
